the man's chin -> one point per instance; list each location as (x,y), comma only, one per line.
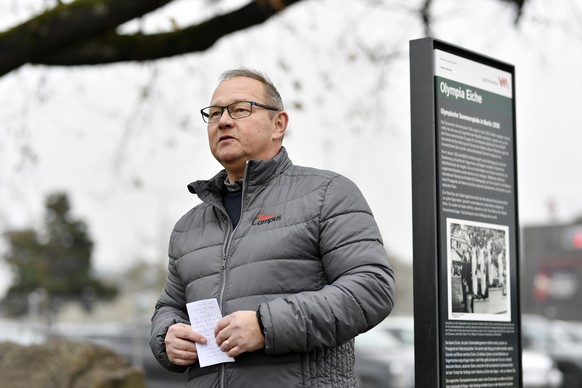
(228,157)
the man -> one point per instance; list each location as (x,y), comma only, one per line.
(467,280)
(292,254)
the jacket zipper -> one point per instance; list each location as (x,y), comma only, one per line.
(225,250)
(223,267)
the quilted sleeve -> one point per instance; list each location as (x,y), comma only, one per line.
(168,311)
(360,289)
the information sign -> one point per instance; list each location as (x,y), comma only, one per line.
(465,228)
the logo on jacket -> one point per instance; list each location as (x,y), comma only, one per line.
(263,219)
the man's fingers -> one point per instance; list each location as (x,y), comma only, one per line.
(181,344)
(225,346)
(183,356)
(221,324)
(235,351)
(230,348)
(194,336)
(183,331)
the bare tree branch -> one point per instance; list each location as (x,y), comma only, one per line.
(83,33)
(519,4)
(139,47)
(66,25)
(426,17)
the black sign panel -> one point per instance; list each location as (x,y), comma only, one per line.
(466,240)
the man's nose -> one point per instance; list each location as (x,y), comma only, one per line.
(225,118)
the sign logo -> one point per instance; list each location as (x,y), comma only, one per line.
(503,82)
(263,219)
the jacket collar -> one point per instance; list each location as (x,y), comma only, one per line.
(257,173)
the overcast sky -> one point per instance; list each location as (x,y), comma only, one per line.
(342,69)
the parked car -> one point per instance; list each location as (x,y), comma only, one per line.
(382,361)
(574,329)
(401,327)
(557,341)
(539,369)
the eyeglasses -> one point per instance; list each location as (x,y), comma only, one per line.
(236,110)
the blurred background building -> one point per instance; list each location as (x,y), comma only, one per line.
(551,270)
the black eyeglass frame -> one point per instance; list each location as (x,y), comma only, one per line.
(206,116)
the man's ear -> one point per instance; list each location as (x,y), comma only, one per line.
(281,122)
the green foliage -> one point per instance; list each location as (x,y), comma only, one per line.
(55,258)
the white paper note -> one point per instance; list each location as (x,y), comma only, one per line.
(204,315)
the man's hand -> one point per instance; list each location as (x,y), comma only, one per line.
(239,332)
(180,344)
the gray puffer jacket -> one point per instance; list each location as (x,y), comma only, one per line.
(306,254)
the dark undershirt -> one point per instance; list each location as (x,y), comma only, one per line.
(232,202)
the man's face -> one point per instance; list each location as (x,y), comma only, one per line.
(258,136)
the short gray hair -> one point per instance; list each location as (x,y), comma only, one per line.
(271,92)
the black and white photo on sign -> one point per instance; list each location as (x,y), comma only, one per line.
(478,271)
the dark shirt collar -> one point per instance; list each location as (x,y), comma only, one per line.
(233,187)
